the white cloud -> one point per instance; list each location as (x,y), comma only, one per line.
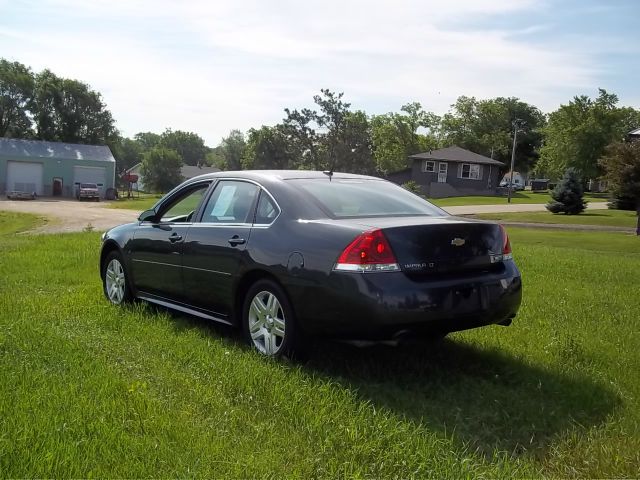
(209,67)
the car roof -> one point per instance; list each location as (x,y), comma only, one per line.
(281,175)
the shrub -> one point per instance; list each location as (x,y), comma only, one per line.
(622,202)
(412,186)
(621,165)
(568,194)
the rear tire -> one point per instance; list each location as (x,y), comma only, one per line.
(268,321)
(115,281)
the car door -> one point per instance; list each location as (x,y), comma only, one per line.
(215,245)
(156,249)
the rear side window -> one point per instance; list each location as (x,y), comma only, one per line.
(343,198)
(267,210)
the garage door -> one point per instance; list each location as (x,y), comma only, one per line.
(89,175)
(24,177)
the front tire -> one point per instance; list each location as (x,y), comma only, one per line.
(268,320)
(115,282)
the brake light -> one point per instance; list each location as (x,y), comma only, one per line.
(506,245)
(369,252)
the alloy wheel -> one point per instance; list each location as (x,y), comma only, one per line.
(267,323)
(115,281)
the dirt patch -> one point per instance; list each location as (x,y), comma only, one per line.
(71,215)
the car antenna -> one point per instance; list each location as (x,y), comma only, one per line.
(329,173)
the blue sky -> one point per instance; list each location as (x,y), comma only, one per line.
(210,66)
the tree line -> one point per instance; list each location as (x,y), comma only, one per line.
(328,134)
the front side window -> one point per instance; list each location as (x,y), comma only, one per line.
(232,201)
(184,206)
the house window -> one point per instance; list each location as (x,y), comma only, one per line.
(428,166)
(470,171)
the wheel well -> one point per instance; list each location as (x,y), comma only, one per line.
(244,284)
(109,247)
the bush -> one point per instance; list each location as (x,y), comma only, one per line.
(412,186)
(621,165)
(623,202)
(568,195)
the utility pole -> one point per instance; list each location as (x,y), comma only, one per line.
(516,122)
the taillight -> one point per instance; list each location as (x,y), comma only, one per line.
(506,245)
(369,252)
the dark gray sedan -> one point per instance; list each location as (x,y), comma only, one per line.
(289,255)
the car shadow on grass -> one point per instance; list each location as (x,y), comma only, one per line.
(484,398)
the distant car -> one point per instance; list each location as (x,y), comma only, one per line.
(516,186)
(19,195)
(288,255)
(88,191)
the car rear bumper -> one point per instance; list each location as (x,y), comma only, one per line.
(387,304)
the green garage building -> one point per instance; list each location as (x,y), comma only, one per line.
(54,168)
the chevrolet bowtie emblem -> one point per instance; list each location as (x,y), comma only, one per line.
(458,242)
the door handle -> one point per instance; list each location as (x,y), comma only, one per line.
(236,240)
(175,238)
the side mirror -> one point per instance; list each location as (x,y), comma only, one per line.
(147,216)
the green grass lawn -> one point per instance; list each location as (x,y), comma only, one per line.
(12,222)
(91,390)
(143,202)
(518,197)
(609,218)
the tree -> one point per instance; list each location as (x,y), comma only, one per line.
(568,194)
(69,111)
(232,149)
(395,136)
(332,137)
(577,134)
(16,97)
(486,127)
(353,147)
(304,141)
(621,166)
(127,152)
(267,148)
(190,146)
(147,140)
(215,158)
(161,169)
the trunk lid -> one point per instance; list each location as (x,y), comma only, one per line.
(437,245)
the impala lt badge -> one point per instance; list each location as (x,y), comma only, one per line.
(458,242)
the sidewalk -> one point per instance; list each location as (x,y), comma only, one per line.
(508,208)
(566,226)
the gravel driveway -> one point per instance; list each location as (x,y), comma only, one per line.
(73,216)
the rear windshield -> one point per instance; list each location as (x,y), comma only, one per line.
(88,185)
(342,198)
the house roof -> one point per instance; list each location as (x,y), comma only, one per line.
(32,149)
(190,171)
(456,154)
(634,132)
